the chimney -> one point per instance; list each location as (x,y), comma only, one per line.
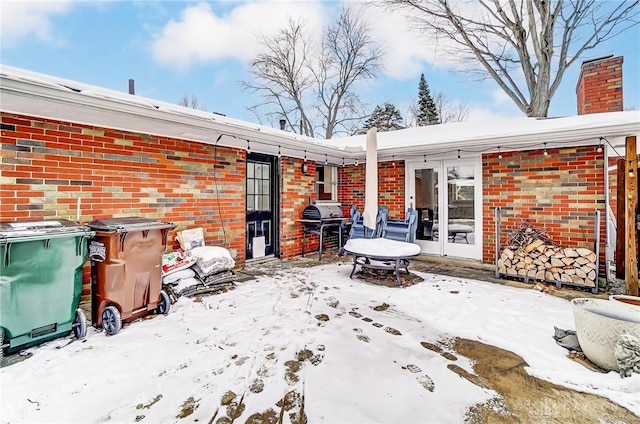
(132,86)
(599,87)
(283,124)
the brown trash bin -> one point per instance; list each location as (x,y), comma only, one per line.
(126,270)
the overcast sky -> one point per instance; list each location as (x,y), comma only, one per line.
(202,48)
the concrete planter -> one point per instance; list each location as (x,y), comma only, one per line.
(599,324)
(629,300)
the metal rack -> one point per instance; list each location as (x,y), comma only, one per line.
(527,279)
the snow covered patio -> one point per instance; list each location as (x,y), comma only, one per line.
(309,341)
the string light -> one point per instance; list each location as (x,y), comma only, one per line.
(393,160)
(437,152)
(326,161)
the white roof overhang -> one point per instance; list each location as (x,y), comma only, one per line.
(29,93)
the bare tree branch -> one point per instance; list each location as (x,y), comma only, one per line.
(313,87)
(525,46)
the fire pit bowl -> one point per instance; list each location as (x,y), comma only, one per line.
(599,324)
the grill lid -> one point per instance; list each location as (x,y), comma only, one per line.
(321,212)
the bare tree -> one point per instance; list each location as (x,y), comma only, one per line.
(313,87)
(448,110)
(524,45)
(451,111)
(192,102)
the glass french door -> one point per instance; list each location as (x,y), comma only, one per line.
(447,195)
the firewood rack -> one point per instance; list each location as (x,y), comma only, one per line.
(499,232)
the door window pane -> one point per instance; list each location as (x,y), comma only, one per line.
(461,204)
(426,188)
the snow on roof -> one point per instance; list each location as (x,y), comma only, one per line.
(140,114)
(512,132)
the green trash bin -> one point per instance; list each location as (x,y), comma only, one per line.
(41,281)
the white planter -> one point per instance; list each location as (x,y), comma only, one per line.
(629,300)
(599,324)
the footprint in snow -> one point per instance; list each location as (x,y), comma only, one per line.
(426,382)
(355,314)
(413,368)
(361,336)
(332,302)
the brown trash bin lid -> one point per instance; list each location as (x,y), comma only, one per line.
(130,223)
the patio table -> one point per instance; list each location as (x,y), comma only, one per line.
(381,253)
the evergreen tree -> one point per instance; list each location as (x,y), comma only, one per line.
(427,110)
(385,118)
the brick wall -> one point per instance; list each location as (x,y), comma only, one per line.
(559,192)
(351,182)
(297,188)
(47,165)
(599,87)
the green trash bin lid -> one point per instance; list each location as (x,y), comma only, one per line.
(14,230)
(130,223)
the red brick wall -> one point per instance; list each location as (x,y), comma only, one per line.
(47,165)
(599,87)
(559,192)
(297,188)
(390,187)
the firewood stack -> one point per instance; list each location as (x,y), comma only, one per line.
(531,254)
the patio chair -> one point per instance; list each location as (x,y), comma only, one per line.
(402,230)
(358,230)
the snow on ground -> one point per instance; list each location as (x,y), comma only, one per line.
(310,336)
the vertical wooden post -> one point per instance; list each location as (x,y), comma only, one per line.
(621,203)
(631,202)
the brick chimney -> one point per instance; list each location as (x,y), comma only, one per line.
(599,86)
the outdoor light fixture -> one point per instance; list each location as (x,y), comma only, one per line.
(355,163)
(425,159)
(305,165)
(343,162)
(279,154)
(248,146)
(458,154)
(499,153)
(325,159)
(545,150)
(631,174)
(599,150)
(393,160)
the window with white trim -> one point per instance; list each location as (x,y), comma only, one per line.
(326,183)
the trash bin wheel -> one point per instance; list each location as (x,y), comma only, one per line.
(111,321)
(164,304)
(80,325)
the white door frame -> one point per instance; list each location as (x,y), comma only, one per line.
(442,246)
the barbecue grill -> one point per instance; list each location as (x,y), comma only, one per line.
(318,219)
